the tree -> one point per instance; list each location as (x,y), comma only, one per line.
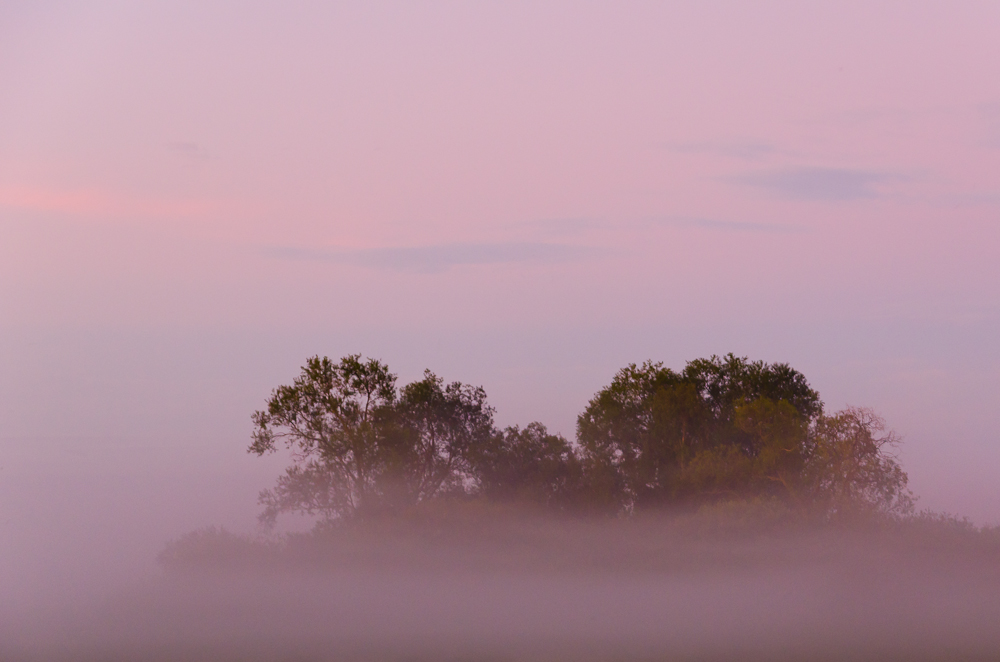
(850,468)
(359,447)
(730,382)
(442,427)
(528,466)
(777,434)
(721,428)
(654,435)
(727,381)
(331,418)
(617,436)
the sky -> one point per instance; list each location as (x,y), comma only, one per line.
(197,196)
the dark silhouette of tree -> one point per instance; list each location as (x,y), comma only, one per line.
(654,435)
(360,447)
(529,467)
(440,427)
(331,417)
(720,429)
(727,383)
(617,436)
(776,435)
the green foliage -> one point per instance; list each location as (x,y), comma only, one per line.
(361,447)
(333,418)
(727,382)
(528,466)
(776,442)
(850,468)
(720,429)
(724,472)
(439,427)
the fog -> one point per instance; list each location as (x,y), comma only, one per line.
(80,533)
(527,589)
(80,580)
(76,521)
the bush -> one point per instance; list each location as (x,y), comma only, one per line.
(216,548)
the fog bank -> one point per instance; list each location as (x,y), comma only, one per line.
(536,590)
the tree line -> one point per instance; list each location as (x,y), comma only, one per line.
(723,428)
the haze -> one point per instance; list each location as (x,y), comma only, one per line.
(197,196)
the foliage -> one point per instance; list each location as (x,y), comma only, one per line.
(333,418)
(528,466)
(776,435)
(721,429)
(716,428)
(850,467)
(441,427)
(361,447)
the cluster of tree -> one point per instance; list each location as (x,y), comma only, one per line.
(722,428)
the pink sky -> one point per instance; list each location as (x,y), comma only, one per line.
(194,197)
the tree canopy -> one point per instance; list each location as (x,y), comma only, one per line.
(359,445)
(721,428)
(655,435)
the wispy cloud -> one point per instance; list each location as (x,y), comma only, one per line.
(819,183)
(441,257)
(971,199)
(748,150)
(729,226)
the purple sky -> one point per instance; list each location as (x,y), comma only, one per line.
(195,197)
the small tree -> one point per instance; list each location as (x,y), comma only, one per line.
(333,419)
(358,446)
(850,468)
(441,427)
